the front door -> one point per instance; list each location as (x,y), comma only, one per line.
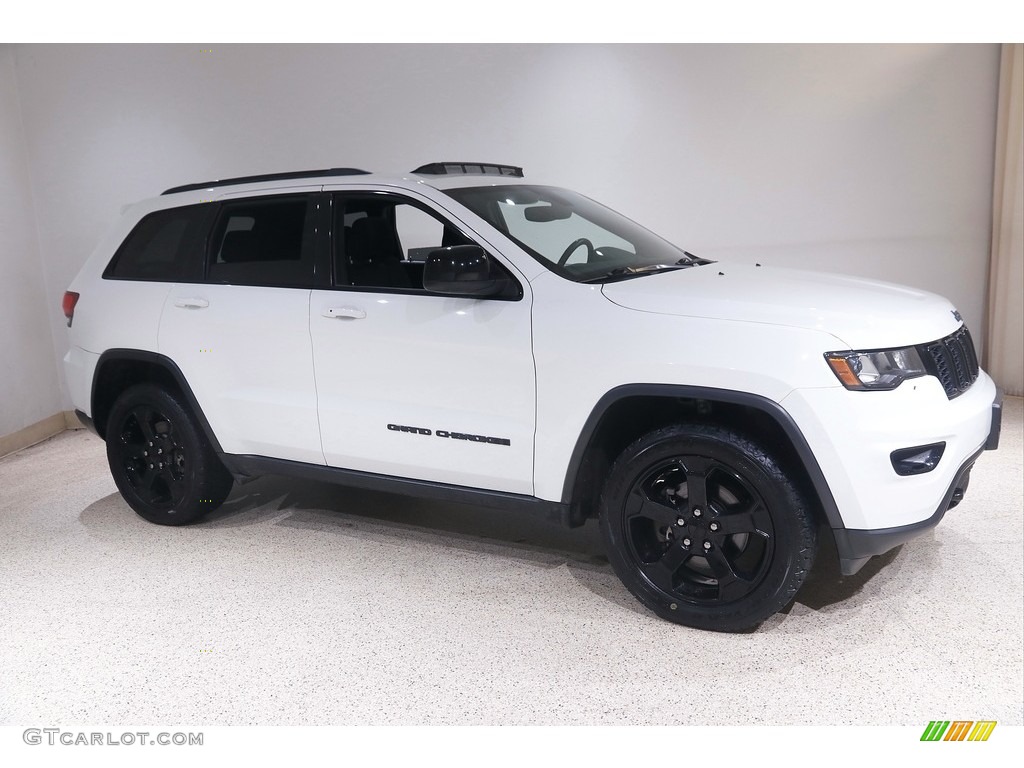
(412,384)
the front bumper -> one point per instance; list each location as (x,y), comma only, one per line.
(997,422)
(856,547)
(853,435)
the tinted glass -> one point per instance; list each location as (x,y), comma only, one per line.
(163,246)
(262,242)
(382,241)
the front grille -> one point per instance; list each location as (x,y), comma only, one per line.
(952,361)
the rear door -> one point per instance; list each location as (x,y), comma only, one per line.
(240,334)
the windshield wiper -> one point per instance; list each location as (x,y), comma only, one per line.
(624,273)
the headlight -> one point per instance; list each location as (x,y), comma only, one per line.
(883,369)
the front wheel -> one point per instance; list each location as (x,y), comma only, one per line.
(704,527)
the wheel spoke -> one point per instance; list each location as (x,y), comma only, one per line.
(142,417)
(638,505)
(730,585)
(133,448)
(149,477)
(697,469)
(662,572)
(175,485)
(135,444)
(755,520)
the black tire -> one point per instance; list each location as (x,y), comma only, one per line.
(162,463)
(704,528)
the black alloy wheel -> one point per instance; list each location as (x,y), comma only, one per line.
(704,528)
(698,530)
(160,460)
(152,460)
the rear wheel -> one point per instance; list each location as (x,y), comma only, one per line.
(160,460)
(704,528)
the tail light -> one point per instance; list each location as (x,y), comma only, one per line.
(68,305)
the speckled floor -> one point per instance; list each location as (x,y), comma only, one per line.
(303,603)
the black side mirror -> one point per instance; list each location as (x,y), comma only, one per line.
(464,270)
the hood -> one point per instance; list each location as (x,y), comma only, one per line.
(862,313)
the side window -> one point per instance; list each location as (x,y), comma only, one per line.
(165,246)
(418,232)
(381,241)
(262,241)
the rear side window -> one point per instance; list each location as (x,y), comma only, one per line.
(165,246)
(263,242)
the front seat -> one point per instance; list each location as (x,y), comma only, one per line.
(375,255)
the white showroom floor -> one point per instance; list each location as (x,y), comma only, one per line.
(303,603)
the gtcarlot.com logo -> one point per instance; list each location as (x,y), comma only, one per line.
(55,736)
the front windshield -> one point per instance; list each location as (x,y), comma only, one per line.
(571,234)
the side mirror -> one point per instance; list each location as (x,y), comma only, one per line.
(463,270)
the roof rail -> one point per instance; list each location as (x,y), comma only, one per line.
(458,169)
(268,177)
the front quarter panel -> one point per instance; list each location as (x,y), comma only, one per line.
(586,346)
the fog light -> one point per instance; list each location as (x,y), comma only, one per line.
(917,460)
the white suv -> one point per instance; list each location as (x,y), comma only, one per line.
(461,334)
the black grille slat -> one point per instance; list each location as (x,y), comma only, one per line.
(937,353)
(972,357)
(956,356)
(952,361)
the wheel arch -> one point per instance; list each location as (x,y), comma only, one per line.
(625,413)
(118,369)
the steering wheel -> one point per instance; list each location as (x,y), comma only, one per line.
(573,246)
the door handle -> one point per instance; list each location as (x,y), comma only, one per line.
(191,302)
(347,313)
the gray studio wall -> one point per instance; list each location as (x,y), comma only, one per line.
(870,160)
(29,388)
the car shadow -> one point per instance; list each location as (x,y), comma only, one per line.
(384,517)
(826,586)
(374,515)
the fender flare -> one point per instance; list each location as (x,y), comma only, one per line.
(770,408)
(168,365)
